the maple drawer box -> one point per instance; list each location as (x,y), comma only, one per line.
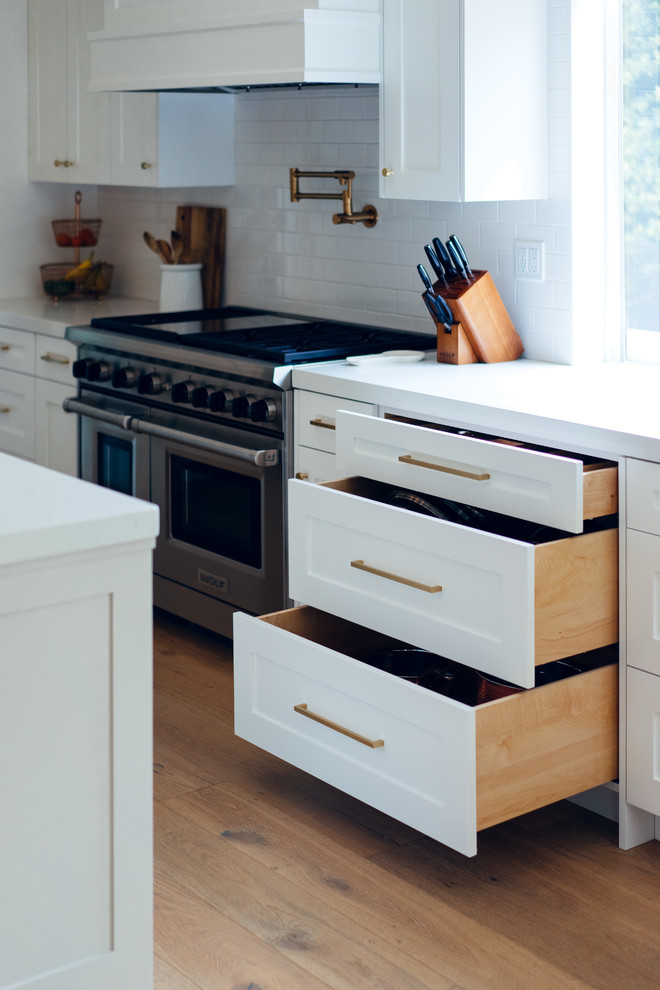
(554,488)
(441,766)
(496,603)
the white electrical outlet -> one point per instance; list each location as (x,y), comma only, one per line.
(529,258)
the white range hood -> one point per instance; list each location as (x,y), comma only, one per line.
(192,44)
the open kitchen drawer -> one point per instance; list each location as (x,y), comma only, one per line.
(495,603)
(441,766)
(553,488)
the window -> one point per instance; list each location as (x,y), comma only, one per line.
(641,178)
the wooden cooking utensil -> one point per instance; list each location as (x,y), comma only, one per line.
(154,245)
(166,252)
(177,246)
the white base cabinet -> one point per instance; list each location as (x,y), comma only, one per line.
(376,575)
(35,379)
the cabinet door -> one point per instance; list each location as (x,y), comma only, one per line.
(464,116)
(172,139)
(420,100)
(68,127)
(17,414)
(643,704)
(56,431)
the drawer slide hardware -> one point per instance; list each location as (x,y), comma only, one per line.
(431,589)
(324,426)
(302,709)
(409,459)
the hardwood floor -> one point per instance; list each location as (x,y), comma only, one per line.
(267,879)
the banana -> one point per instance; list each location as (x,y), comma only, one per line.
(80,271)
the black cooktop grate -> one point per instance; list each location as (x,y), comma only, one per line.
(275,337)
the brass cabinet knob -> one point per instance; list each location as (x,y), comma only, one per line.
(145,165)
(302,475)
(388,171)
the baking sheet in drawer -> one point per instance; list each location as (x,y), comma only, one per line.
(549,488)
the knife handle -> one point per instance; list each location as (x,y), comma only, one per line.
(456,258)
(435,263)
(461,251)
(442,255)
(424,275)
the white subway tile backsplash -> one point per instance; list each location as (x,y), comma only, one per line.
(293,257)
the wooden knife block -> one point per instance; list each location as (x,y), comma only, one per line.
(453,344)
(477,307)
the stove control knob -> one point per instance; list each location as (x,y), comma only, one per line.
(201,396)
(124,378)
(242,406)
(263,411)
(98,371)
(80,367)
(150,384)
(183,392)
(221,401)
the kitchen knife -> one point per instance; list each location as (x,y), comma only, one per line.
(435,263)
(445,315)
(424,275)
(461,250)
(457,260)
(445,260)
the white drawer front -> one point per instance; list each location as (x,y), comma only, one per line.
(643,777)
(527,484)
(17,350)
(484,614)
(315,465)
(643,601)
(17,414)
(423,774)
(643,496)
(315,416)
(54,359)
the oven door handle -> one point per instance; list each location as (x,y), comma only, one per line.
(133,424)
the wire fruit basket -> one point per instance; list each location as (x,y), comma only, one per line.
(94,282)
(76,233)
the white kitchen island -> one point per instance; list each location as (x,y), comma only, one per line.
(75,733)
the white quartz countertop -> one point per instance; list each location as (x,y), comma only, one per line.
(41,315)
(611,409)
(46,514)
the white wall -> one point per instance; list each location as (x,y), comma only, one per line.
(292,257)
(26,208)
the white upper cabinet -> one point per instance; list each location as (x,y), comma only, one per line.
(131,139)
(464,100)
(172,139)
(180,44)
(69,127)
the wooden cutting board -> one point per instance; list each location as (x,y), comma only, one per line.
(203,231)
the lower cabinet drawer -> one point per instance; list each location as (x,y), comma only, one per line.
(443,767)
(643,753)
(17,414)
(496,603)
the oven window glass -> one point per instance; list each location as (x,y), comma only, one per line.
(115,463)
(216,510)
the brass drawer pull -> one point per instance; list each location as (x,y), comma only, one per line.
(55,358)
(409,459)
(145,165)
(5,409)
(302,709)
(5,347)
(432,589)
(324,426)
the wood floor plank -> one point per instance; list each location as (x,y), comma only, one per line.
(299,922)
(310,878)
(370,899)
(214,951)
(555,905)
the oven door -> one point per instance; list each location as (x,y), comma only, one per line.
(110,454)
(222,516)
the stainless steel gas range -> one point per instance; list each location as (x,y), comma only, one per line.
(193,411)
